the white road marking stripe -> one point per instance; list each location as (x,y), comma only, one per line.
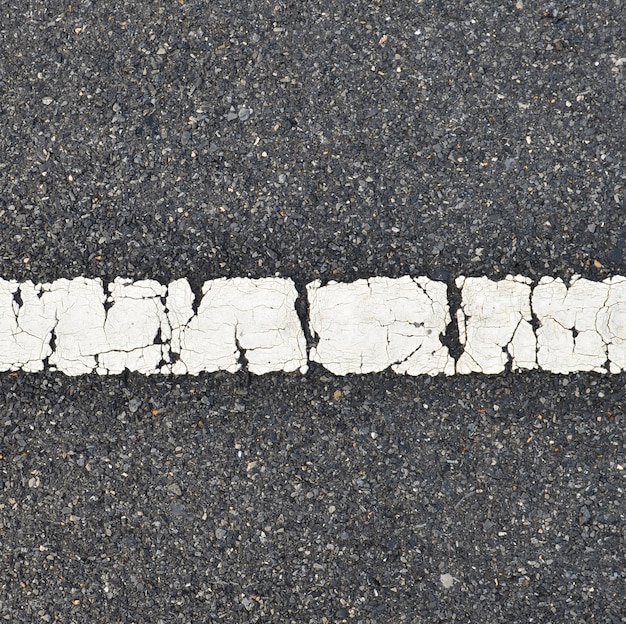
(494,323)
(254,317)
(369,325)
(365,326)
(581,327)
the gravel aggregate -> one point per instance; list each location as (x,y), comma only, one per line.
(336,140)
(365,499)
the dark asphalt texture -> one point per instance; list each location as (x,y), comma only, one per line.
(330,140)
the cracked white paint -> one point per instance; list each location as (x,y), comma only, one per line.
(135,319)
(612,323)
(237,318)
(494,323)
(581,327)
(365,326)
(88,338)
(78,309)
(370,325)
(25,330)
(149,328)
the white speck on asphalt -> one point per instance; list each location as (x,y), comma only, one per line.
(447,580)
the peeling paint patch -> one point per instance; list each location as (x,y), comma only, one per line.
(581,327)
(25,327)
(495,326)
(239,321)
(370,325)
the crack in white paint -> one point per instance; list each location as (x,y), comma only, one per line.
(366,326)
(370,325)
(253,316)
(25,330)
(611,323)
(494,323)
(581,327)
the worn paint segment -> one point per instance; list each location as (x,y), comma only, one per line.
(25,329)
(581,327)
(237,319)
(77,327)
(370,325)
(494,323)
(145,327)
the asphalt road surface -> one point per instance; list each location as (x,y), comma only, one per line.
(312,141)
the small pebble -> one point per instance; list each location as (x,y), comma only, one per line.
(244,113)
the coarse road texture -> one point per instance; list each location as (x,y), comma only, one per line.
(312,141)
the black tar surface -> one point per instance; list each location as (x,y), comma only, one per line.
(330,140)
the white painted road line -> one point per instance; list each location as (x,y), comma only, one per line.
(495,327)
(239,316)
(581,327)
(370,325)
(362,327)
